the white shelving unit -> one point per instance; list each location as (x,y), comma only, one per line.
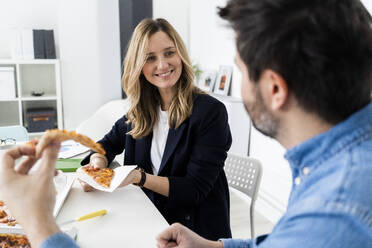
(32,75)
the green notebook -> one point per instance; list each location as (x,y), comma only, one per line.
(68,164)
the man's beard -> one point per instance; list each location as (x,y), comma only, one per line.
(261,118)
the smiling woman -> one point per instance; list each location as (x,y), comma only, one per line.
(163,66)
(157,70)
(176,134)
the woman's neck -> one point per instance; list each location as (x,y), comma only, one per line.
(166,96)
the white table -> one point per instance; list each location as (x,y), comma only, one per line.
(132,220)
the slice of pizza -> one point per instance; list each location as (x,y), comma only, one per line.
(102,176)
(14,241)
(5,216)
(62,135)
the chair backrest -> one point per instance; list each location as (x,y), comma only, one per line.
(243,174)
(103,119)
(19,133)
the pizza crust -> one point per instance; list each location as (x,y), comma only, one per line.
(62,135)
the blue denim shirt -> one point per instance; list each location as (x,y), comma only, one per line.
(59,240)
(330,204)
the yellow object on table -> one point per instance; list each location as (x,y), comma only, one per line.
(86,217)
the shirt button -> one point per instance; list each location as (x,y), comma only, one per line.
(297,180)
(187,217)
(306,170)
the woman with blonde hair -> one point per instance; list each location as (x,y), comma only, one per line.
(176,134)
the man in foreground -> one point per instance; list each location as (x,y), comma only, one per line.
(31,197)
(307,80)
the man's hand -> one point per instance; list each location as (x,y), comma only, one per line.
(30,197)
(180,236)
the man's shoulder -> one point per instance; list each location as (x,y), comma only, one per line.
(340,186)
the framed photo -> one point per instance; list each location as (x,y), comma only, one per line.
(222,84)
(207,80)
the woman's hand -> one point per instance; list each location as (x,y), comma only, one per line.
(133,177)
(97,161)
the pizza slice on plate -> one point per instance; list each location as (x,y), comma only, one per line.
(14,241)
(102,176)
(11,240)
(5,216)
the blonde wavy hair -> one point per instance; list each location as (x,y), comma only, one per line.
(145,98)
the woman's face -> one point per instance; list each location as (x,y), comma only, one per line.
(163,66)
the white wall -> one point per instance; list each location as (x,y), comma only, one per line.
(368,5)
(35,14)
(277,178)
(176,13)
(90,56)
(211,42)
(87,43)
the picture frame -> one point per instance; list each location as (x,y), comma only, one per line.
(207,80)
(223,81)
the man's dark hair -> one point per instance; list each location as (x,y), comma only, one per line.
(322,48)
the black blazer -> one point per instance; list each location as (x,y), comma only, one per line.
(193,161)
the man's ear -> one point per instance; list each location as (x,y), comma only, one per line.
(274,89)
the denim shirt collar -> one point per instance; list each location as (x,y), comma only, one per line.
(322,146)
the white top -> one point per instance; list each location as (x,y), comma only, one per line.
(159,139)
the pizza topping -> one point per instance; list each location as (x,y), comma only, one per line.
(4,220)
(14,241)
(101,176)
(5,216)
(12,222)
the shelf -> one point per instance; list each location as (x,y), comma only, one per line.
(226,98)
(35,134)
(39,78)
(9,100)
(44,97)
(29,62)
(39,75)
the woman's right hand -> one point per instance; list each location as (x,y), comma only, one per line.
(96,162)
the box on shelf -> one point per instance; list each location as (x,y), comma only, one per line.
(7,83)
(40,119)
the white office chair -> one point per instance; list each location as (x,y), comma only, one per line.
(102,121)
(17,133)
(244,174)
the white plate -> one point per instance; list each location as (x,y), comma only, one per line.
(72,232)
(120,173)
(11,229)
(63,188)
(63,183)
